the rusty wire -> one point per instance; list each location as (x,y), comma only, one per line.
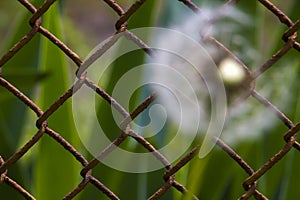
(249,184)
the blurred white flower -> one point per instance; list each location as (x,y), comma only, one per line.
(195,92)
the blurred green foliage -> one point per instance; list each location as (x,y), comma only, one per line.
(49,172)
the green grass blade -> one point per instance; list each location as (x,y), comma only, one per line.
(56,171)
(143,17)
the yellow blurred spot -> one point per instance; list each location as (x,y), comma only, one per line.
(231,71)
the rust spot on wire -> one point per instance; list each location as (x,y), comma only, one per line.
(39,12)
(21,43)
(125,16)
(24,149)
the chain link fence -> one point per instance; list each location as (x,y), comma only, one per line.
(250,184)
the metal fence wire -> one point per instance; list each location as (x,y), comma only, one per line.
(250,184)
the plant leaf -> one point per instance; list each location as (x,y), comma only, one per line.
(56,170)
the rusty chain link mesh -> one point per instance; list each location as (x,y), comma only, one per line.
(249,184)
